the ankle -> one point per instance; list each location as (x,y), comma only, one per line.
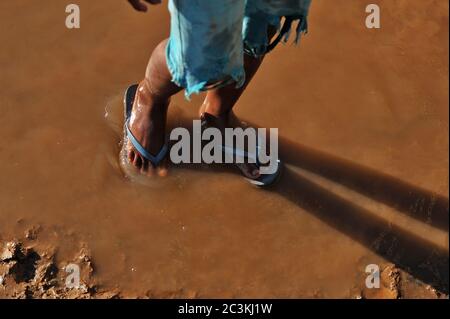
(149,103)
(159,103)
(158,107)
(215,111)
(152,97)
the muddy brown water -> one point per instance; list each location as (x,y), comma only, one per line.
(363,116)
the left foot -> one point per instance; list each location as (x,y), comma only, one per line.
(229,120)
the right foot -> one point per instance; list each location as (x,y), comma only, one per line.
(147,124)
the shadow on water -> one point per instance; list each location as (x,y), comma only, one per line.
(417,256)
(411,200)
(422,259)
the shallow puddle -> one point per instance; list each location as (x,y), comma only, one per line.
(363,119)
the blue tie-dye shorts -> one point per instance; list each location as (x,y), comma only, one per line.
(208,38)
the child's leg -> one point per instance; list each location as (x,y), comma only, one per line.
(219,103)
(148,119)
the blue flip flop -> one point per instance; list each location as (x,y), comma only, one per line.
(264,180)
(128,101)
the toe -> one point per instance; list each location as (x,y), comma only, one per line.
(250,171)
(144,166)
(131,156)
(137,161)
(162,172)
(162,169)
(255,173)
(150,171)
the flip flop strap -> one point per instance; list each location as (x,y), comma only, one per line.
(155,160)
(242,153)
(239,152)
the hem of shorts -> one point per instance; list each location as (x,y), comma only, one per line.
(258,50)
(179,78)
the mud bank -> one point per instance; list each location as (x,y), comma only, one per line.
(32,272)
(29,270)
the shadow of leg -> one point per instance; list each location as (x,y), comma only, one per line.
(416,202)
(420,258)
(411,200)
